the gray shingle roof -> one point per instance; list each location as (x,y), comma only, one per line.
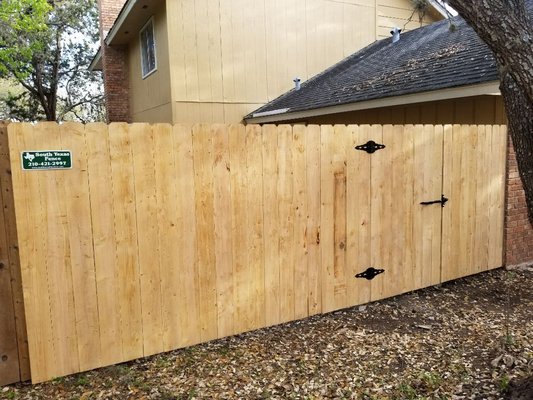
(425,59)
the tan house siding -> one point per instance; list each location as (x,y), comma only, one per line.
(150,99)
(243,53)
(397,13)
(193,112)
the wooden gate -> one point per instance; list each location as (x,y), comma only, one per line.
(163,236)
(372,213)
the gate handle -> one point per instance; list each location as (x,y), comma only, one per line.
(442,201)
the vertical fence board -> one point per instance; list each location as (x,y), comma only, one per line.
(435,165)
(57,257)
(338,166)
(29,213)
(397,212)
(104,242)
(143,153)
(448,190)
(381,208)
(168,236)
(450,214)
(186,263)
(163,236)
(379,174)
(254,209)
(129,287)
(9,360)
(9,355)
(239,223)
(409,207)
(300,222)
(205,226)
(327,193)
(33,280)
(333,214)
(482,213)
(286,220)
(223,238)
(420,194)
(358,214)
(472,184)
(271,225)
(314,296)
(496,184)
(80,237)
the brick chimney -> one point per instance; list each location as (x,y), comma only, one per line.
(114,65)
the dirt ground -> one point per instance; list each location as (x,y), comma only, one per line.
(467,339)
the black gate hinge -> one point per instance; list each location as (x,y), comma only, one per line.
(370,273)
(370,147)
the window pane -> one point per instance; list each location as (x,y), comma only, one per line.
(148,61)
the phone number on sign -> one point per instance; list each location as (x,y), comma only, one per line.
(48,164)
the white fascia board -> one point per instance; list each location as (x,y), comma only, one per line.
(423,97)
(96,60)
(268,113)
(443,8)
(120,21)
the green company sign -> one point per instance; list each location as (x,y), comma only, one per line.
(46,159)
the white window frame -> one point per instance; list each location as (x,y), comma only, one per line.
(146,74)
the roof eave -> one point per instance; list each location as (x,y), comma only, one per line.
(124,13)
(443,9)
(96,63)
(486,88)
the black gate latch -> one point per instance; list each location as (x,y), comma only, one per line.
(370,147)
(442,201)
(370,273)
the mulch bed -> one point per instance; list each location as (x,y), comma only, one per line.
(467,339)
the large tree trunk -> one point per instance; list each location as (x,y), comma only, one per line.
(507,29)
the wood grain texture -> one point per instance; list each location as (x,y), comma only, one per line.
(104,242)
(474,169)
(271,225)
(205,228)
(80,237)
(313,193)
(126,241)
(9,355)
(146,206)
(164,236)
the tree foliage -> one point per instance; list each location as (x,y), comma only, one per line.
(46,46)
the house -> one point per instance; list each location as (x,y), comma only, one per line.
(437,74)
(216,61)
(441,73)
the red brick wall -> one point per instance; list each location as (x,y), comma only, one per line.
(518,230)
(114,65)
(109,10)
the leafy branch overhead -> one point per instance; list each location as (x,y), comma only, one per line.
(46,47)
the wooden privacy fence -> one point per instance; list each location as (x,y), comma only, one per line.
(14,362)
(164,236)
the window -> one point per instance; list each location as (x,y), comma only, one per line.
(148,60)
